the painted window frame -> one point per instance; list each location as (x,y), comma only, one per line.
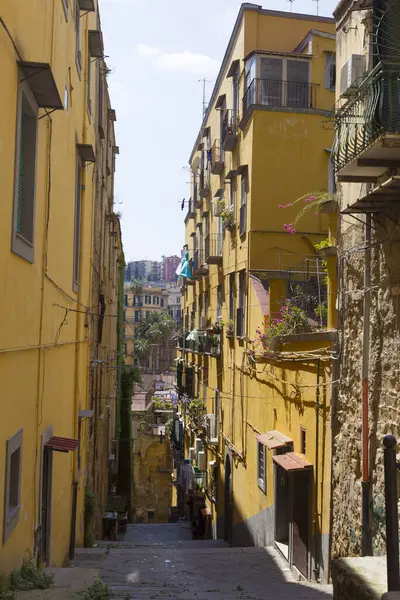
(78,51)
(21,243)
(11,517)
(262,467)
(330,71)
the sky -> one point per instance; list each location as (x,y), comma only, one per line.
(158,50)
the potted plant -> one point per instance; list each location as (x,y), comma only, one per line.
(229,328)
(228,219)
(218,207)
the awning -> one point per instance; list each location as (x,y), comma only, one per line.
(86,152)
(96,43)
(274,439)
(220,101)
(41,82)
(87,5)
(291,461)
(60,444)
(233,68)
(377,198)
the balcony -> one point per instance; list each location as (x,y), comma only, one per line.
(199,268)
(212,344)
(205,185)
(283,94)
(367,128)
(191,212)
(229,129)
(213,249)
(217,158)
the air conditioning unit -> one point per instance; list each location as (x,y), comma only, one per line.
(352,73)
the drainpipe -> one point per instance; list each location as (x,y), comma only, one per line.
(366,483)
(317,407)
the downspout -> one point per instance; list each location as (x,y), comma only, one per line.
(316,523)
(366,483)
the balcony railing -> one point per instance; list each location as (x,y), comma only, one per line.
(191,213)
(217,158)
(205,184)
(229,129)
(285,94)
(198,264)
(373,110)
(243,219)
(213,248)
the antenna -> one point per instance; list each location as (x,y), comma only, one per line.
(204,81)
(291,4)
(317,1)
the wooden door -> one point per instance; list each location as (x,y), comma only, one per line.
(301,519)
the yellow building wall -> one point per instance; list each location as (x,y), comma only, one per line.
(286,153)
(44,334)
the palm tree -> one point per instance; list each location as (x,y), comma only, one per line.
(136,287)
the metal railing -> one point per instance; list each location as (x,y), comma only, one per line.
(373,109)
(230,120)
(287,94)
(243,219)
(198,260)
(191,208)
(213,246)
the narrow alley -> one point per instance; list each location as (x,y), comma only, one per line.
(158,561)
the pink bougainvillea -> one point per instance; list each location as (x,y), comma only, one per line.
(289,227)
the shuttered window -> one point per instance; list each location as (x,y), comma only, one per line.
(261,470)
(25,175)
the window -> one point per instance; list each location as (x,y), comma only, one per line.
(243,205)
(219,301)
(261,467)
(206,304)
(147,299)
(178,300)
(156,300)
(12,498)
(231,296)
(126,300)
(78,54)
(162,301)
(65,7)
(303,440)
(136,316)
(331,177)
(151,515)
(77,228)
(216,410)
(233,193)
(25,175)
(88,84)
(242,304)
(330,70)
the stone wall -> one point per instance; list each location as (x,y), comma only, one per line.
(384,381)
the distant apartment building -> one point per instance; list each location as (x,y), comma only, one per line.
(170,264)
(174,303)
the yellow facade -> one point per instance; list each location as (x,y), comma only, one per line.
(47,228)
(276,150)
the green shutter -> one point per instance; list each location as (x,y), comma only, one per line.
(21,176)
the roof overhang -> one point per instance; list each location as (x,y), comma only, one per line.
(219,193)
(60,444)
(291,461)
(86,152)
(96,47)
(274,439)
(41,82)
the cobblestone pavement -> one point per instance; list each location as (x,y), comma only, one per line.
(161,562)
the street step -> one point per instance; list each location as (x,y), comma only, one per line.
(153,592)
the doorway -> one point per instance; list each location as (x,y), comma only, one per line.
(301,519)
(228,501)
(282,513)
(45,509)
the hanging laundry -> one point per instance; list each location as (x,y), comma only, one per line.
(183,204)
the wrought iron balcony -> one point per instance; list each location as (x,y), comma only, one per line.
(277,93)
(217,158)
(229,129)
(199,267)
(205,184)
(213,249)
(367,128)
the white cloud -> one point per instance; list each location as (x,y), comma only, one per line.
(192,62)
(144,50)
